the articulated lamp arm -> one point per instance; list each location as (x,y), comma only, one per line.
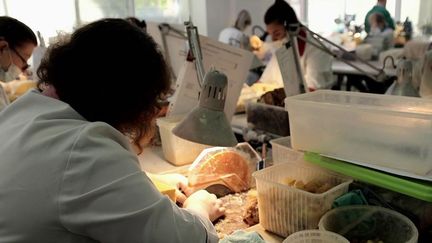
(293,31)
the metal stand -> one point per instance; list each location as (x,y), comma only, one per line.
(320,43)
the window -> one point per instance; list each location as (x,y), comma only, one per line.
(91,10)
(169,11)
(46,16)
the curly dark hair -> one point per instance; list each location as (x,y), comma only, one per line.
(15,32)
(282,13)
(109,71)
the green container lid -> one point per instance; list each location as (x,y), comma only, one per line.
(408,186)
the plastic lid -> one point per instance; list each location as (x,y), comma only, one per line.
(315,236)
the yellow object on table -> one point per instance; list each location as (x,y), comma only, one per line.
(165,189)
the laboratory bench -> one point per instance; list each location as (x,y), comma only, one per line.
(152,160)
(348,77)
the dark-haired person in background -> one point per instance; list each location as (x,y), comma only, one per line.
(235,36)
(17,42)
(67,171)
(315,63)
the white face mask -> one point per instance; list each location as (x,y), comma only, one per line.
(13,71)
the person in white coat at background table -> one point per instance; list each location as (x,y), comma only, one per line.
(235,35)
(17,42)
(316,64)
(67,170)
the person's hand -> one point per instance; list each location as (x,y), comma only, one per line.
(175,180)
(255,42)
(205,204)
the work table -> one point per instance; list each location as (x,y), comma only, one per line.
(152,160)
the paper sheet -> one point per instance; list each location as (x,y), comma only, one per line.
(285,58)
(233,62)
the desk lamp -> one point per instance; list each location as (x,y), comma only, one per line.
(207,123)
(293,32)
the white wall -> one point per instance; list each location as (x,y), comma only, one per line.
(223,13)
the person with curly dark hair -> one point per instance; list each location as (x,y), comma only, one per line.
(68,172)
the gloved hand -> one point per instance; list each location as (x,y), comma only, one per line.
(255,42)
(205,204)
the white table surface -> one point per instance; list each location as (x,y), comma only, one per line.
(341,67)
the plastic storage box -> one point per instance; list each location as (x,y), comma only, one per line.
(362,223)
(285,209)
(176,150)
(268,118)
(282,151)
(389,131)
(315,236)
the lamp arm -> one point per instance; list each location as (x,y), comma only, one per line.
(293,31)
(328,51)
(292,34)
(321,39)
(195,49)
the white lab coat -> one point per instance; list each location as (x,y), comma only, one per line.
(64,179)
(234,37)
(316,66)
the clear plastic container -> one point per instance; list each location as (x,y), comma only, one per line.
(388,131)
(315,236)
(282,150)
(284,209)
(176,150)
(362,223)
(231,168)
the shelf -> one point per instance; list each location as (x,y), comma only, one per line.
(412,187)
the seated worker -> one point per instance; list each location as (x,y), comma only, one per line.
(17,42)
(315,63)
(68,173)
(235,35)
(379,8)
(380,35)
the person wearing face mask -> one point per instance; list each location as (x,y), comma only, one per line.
(235,35)
(316,64)
(17,42)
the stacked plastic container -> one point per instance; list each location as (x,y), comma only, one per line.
(285,209)
(176,150)
(382,130)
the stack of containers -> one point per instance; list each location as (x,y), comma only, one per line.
(368,129)
(284,209)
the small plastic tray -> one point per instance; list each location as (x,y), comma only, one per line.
(284,209)
(411,187)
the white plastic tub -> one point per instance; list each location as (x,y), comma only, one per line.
(285,209)
(176,150)
(315,236)
(363,223)
(388,131)
(282,151)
